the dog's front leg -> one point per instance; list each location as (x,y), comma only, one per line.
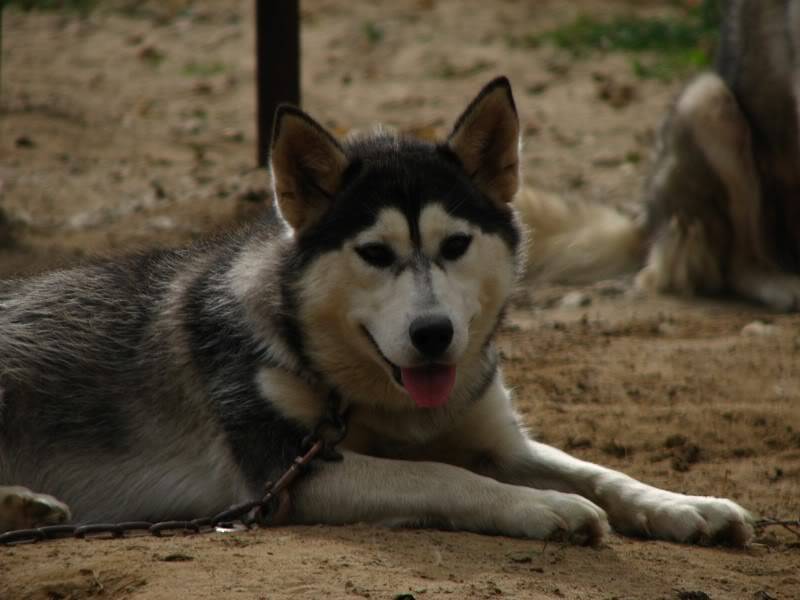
(633,507)
(409,493)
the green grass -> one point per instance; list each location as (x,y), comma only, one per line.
(203,69)
(673,46)
(373,32)
(82,7)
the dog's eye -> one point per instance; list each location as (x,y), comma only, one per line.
(454,246)
(376,254)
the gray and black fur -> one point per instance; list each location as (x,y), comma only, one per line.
(154,356)
(175,383)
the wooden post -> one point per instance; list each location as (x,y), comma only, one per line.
(277,64)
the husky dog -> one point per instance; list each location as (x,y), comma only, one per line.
(722,202)
(175,383)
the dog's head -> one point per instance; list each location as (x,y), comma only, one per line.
(405,251)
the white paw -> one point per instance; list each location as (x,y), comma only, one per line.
(547,515)
(21,508)
(693,519)
(777,291)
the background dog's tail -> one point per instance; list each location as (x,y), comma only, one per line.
(578,243)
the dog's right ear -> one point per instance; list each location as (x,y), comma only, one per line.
(307,165)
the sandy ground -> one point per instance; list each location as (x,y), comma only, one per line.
(135,127)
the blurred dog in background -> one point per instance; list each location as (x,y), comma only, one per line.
(722,200)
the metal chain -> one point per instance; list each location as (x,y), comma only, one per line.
(271,510)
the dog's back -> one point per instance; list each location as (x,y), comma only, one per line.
(112,366)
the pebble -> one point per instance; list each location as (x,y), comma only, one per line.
(575,300)
(759,328)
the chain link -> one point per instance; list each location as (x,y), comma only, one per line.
(271,510)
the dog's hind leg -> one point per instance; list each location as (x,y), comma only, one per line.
(724,135)
(719,128)
(721,131)
(409,493)
(686,197)
(707,201)
(21,508)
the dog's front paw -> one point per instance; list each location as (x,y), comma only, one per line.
(546,515)
(21,508)
(691,519)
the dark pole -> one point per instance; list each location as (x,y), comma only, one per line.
(2,2)
(277,64)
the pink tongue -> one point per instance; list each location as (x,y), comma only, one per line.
(429,386)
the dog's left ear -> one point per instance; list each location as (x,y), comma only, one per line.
(307,164)
(486,139)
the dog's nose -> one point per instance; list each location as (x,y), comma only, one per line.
(431,334)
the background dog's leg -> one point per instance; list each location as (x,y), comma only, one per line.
(21,508)
(705,204)
(403,493)
(703,171)
(723,134)
(633,507)
(718,126)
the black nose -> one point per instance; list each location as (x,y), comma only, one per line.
(431,334)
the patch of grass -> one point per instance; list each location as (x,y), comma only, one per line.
(82,7)
(373,32)
(676,45)
(203,69)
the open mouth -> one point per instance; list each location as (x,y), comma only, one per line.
(428,385)
(393,367)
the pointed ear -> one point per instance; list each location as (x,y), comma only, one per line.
(307,165)
(486,139)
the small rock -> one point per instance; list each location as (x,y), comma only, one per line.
(759,328)
(163,223)
(520,557)
(84,220)
(575,300)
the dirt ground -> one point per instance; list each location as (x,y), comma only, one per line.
(135,127)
